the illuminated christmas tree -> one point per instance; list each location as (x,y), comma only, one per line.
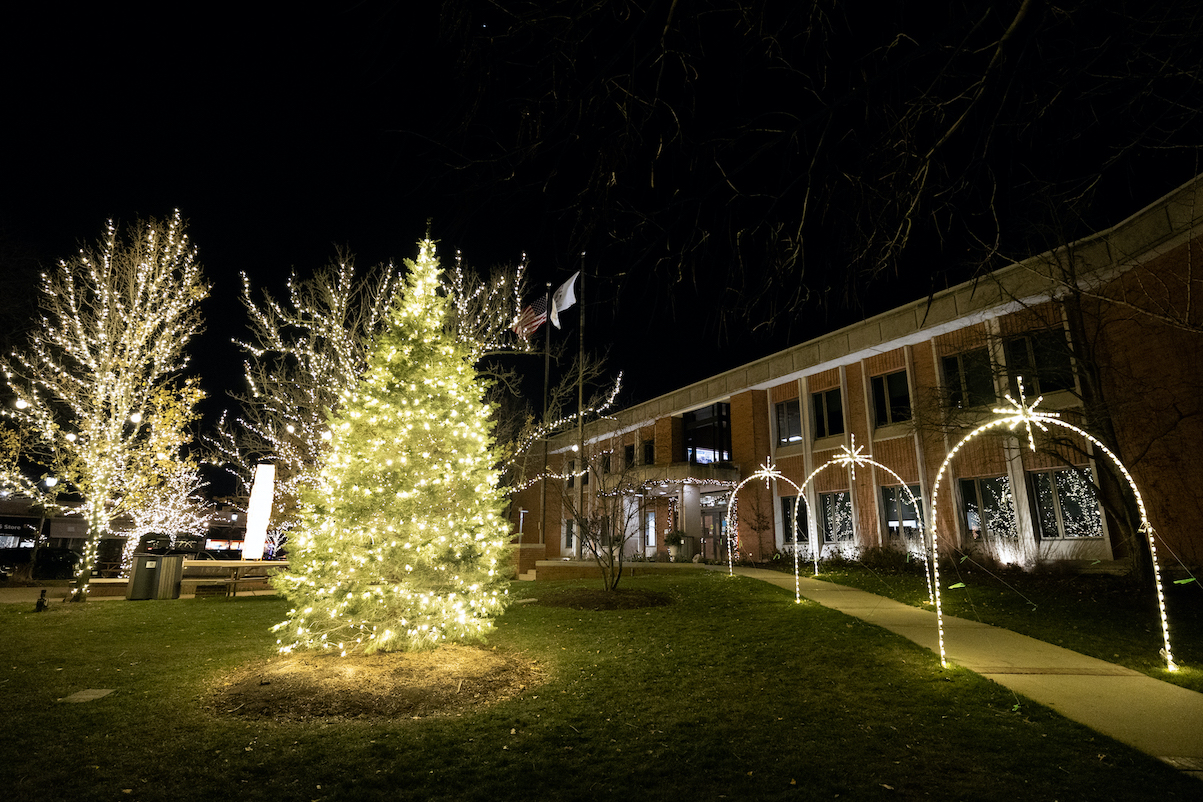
(400,547)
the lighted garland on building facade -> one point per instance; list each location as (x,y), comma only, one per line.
(1023,414)
(401,544)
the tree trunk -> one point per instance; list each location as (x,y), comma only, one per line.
(1114,494)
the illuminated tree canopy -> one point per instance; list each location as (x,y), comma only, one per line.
(93,383)
(400,546)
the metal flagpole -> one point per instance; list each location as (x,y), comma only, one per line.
(546,375)
(580,410)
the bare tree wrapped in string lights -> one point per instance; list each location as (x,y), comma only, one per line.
(116,320)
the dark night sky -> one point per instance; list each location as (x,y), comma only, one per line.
(282,134)
(280,138)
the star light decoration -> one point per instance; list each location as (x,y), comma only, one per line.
(851,457)
(1021,413)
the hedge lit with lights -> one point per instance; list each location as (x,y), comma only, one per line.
(401,546)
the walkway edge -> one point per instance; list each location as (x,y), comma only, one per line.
(1158,718)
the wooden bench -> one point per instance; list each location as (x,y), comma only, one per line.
(212,586)
(226,577)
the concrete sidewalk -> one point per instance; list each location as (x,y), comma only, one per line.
(1155,717)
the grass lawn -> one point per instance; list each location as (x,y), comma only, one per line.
(732,691)
(1096,614)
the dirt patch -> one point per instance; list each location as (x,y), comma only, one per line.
(595,599)
(308,686)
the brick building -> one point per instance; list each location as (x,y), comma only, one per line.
(1106,331)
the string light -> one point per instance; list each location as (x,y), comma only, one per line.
(1022,414)
(306,351)
(847,457)
(115,324)
(399,544)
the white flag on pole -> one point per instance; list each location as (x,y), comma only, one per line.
(563,298)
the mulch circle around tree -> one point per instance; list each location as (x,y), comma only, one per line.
(448,681)
(597,599)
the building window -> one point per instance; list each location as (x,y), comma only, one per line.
(649,527)
(628,456)
(903,520)
(836,509)
(1065,504)
(649,452)
(969,379)
(787,519)
(1042,359)
(891,398)
(989,508)
(829,413)
(708,434)
(605,462)
(571,474)
(789,422)
(568,533)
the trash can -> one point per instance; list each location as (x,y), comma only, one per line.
(155,576)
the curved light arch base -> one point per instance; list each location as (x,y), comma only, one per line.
(1026,415)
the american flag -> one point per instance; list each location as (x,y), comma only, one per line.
(532,318)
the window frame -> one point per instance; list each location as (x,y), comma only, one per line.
(1033,349)
(789,427)
(821,409)
(826,510)
(1039,517)
(978,499)
(787,523)
(959,387)
(885,412)
(902,503)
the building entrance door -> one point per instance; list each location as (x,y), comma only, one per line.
(714,529)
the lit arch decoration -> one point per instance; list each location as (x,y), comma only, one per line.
(1022,414)
(848,457)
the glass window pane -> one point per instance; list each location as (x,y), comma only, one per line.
(1079,509)
(881,408)
(998,508)
(787,518)
(973,513)
(1053,365)
(889,499)
(1046,511)
(835,412)
(819,418)
(789,422)
(951,367)
(899,395)
(837,516)
(979,378)
(1016,352)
